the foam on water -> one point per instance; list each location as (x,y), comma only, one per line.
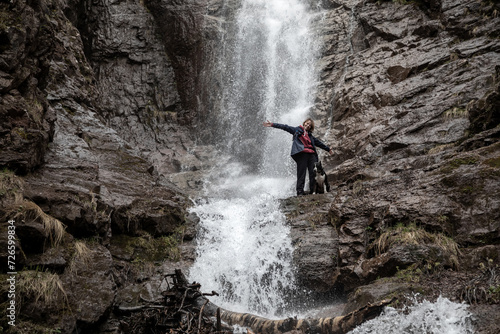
(440,317)
(244,249)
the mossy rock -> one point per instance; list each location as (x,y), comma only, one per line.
(458,162)
(379,290)
(145,248)
(493,162)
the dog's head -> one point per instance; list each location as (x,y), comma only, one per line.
(318,168)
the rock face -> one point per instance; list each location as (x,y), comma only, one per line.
(27,119)
(93,120)
(401,88)
(92,286)
(411,93)
(316,242)
(103,114)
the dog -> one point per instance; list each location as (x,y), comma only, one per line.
(321,179)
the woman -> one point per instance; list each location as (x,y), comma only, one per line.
(303,150)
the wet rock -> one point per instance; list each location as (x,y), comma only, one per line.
(374,292)
(315,241)
(416,66)
(142,292)
(478,255)
(27,119)
(54,259)
(484,113)
(395,87)
(487,319)
(399,258)
(110,97)
(180,24)
(34,235)
(445,199)
(90,286)
(91,170)
(156,217)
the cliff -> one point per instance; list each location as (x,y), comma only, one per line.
(103,138)
(409,94)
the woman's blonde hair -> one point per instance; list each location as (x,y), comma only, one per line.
(312,124)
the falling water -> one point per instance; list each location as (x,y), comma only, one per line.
(244,250)
(269,74)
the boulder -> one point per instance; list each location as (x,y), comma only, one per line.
(315,241)
(90,286)
(374,292)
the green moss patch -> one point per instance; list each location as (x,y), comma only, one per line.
(456,163)
(493,162)
(145,248)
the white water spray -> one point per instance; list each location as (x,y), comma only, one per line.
(244,250)
(442,316)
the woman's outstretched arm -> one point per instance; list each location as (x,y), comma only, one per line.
(322,145)
(284,127)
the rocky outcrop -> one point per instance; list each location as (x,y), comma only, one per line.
(91,286)
(403,85)
(93,121)
(180,24)
(408,98)
(27,44)
(315,241)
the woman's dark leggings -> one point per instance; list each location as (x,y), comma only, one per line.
(305,162)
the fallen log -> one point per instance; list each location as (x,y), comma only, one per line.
(187,310)
(261,325)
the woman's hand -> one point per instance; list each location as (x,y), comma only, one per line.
(331,152)
(267,124)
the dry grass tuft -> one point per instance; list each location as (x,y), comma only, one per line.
(82,251)
(44,287)
(456,112)
(11,188)
(81,257)
(413,235)
(52,226)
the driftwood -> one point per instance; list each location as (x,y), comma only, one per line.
(187,310)
(336,325)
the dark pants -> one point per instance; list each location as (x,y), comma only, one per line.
(305,162)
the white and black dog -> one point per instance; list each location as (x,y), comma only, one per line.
(321,179)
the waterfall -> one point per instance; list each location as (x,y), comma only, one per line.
(269,73)
(244,251)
